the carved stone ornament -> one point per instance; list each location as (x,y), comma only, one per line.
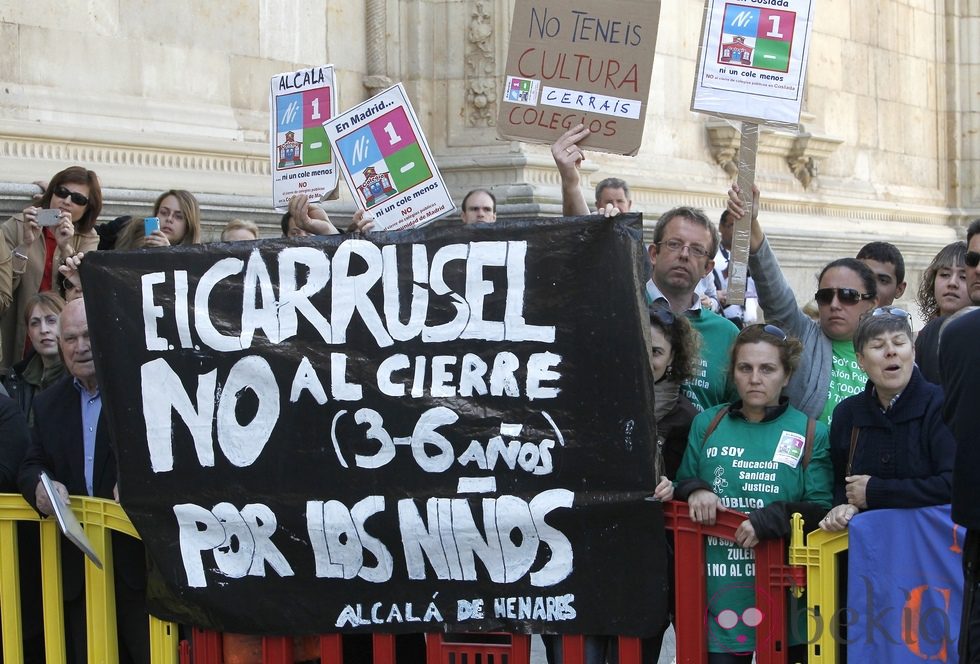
(803,151)
(481,84)
(808,151)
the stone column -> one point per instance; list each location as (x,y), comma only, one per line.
(962,28)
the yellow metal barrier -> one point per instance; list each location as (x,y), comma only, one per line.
(99,517)
(819,556)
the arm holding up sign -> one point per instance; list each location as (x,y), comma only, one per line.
(776,297)
(612,194)
(72,281)
(310,217)
(568,157)
(846,290)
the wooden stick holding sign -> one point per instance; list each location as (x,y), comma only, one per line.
(739,260)
(752,68)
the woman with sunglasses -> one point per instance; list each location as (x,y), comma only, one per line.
(180,223)
(942,292)
(890,444)
(37,252)
(828,372)
(757,455)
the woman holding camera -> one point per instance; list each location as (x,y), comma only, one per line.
(179,218)
(39,240)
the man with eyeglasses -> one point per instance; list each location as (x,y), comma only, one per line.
(684,244)
(972,260)
(959,357)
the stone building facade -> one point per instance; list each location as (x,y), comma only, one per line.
(175,95)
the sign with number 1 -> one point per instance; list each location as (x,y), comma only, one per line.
(752,61)
(387,162)
(302,162)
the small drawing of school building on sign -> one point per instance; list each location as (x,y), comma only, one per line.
(376,186)
(290,151)
(736,52)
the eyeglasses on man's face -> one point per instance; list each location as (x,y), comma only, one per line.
(676,247)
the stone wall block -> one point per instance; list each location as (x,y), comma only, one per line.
(224,26)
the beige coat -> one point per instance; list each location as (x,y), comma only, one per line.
(26,283)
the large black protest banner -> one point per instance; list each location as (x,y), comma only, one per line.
(443,428)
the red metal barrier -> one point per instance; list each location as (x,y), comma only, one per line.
(773,578)
(507,649)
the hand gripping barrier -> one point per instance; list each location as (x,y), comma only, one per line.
(773,577)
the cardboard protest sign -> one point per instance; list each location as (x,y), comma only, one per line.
(387,163)
(752,59)
(588,62)
(445,428)
(302,162)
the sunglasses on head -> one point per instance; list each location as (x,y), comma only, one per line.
(972,258)
(664,315)
(892,311)
(62,191)
(844,295)
(771,330)
(774,331)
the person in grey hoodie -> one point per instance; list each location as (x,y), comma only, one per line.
(828,372)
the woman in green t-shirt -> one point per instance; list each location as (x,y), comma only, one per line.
(757,455)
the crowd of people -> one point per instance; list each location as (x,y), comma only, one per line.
(826,406)
(833,413)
